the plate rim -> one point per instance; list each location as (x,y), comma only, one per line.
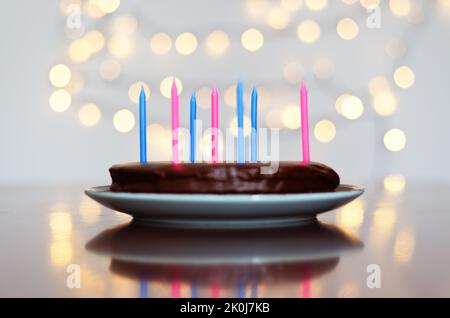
(198,197)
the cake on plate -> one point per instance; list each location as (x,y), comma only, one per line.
(222,178)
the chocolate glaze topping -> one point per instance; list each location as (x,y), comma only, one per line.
(222,178)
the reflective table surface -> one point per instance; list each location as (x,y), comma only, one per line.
(391,242)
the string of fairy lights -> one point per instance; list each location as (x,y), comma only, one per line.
(69,78)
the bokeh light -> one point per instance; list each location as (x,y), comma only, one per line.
(368,4)
(290,116)
(60,75)
(378,84)
(404,77)
(325,131)
(278,18)
(108,6)
(89,210)
(292,5)
(444,5)
(339,102)
(89,114)
(123,120)
(252,40)
(352,107)
(110,69)
(348,289)
(95,40)
(76,83)
(204,97)
(400,8)
(384,103)
(125,24)
(404,246)
(60,100)
(135,90)
(160,43)
(91,7)
(293,72)
(273,119)
(351,217)
(79,50)
(316,5)
(159,139)
(308,31)
(61,251)
(347,29)
(264,97)
(395,140)
(230,96)
(217,43)
(186,43)
(233,126)
(166,86)
(394,183)
(60,223)
(256,9)
(383,220)
(120,46)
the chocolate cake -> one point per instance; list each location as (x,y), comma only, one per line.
(222,178)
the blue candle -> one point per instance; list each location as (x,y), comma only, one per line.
(254,131)
(143,288)
(240,123)
(142,127)
(192,125)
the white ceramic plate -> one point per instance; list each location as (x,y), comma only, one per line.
(229,210)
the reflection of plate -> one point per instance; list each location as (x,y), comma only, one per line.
(143,244)
(231,210)
(222,262)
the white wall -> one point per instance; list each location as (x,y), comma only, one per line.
(38,145)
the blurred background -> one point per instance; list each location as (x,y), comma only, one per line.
(377,73)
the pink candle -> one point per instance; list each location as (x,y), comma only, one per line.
(214,125)
(175,122)
(176,288)
(215,289)
(306,283)
(304,122)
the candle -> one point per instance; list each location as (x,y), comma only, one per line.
(143,288)
(304,122)
(215,288)
(240,122)
(193,118)
(254,131)
(306,282)
(142,127)
(176,288)
(214,125)
(175,122)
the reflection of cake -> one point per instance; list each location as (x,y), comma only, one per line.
(222,178)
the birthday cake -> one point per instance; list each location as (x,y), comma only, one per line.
(222,178)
